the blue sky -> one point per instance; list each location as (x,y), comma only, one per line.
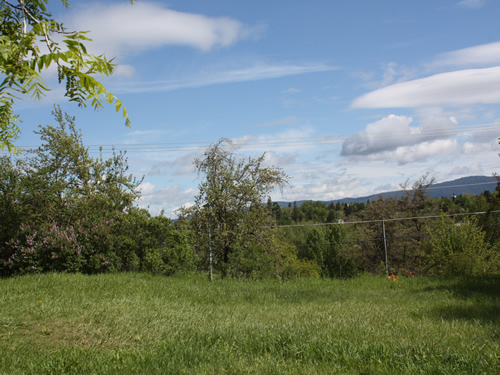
(350,98)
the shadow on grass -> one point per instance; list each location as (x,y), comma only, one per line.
(476,299)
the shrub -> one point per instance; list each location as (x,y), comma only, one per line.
(461,249)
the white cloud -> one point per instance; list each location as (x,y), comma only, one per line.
(122,29)
(124,70)
(147,188)
(457,88)
(412,154)
(393,134)
(422,151)
(168,198)
(474,169)
(477,56)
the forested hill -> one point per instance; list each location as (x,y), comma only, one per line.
(465,185)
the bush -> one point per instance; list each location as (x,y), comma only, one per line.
(85,247)
(461,249)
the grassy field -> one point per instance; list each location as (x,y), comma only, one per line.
(138,323)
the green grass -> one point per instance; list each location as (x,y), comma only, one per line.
(138,323)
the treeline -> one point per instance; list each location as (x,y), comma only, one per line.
(419,234)
(62,210)
(329,212)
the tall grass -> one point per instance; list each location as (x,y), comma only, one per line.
(138,323)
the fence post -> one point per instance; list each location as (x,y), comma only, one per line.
(385,248)
(210,252)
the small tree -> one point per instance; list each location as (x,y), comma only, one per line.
(229,218)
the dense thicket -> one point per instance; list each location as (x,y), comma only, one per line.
(63,210)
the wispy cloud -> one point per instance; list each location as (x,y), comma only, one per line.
(254,73)
(472,3)
(282,121)
(291,90)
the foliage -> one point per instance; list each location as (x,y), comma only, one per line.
(29,45)
(63,183)
(63,210)
(460,248)
(229,220)
(324,246)
(85,247)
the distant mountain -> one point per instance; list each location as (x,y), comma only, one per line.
(465,185)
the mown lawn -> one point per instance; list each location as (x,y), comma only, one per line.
(138,323)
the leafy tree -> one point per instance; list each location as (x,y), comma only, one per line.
(63,183)
(229,219)
(28,46)
(58,204)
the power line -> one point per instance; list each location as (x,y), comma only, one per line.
(288,141)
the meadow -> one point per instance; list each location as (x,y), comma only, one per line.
(139,323)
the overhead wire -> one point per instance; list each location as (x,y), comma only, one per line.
(259,143)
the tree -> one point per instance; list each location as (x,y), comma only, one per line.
(64,183)
(57,195)
(63,210)
(25,28)
(229,218)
